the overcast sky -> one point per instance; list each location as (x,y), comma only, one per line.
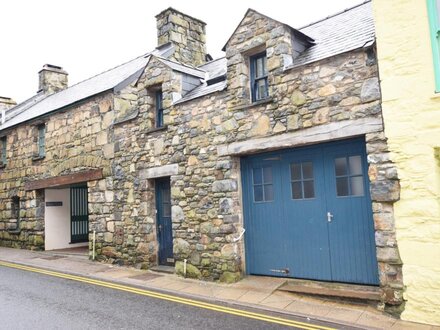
(87,37)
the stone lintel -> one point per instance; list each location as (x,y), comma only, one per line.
(322,133)
(159,171)
(63,180)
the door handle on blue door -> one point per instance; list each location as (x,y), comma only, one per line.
(329,217)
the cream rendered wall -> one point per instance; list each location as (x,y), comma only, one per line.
(57,220)
(411,112)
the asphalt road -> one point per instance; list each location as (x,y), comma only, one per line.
(34,301)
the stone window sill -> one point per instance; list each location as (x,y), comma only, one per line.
(253,104)
(37,158)
(157,129)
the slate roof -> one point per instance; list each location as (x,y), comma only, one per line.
(192,71)
(42,104)
(214,70)
(345,31)
(342,32)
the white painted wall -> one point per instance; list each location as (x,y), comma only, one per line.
(57,220)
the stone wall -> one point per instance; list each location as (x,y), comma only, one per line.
(76,139)
(205,191)
(205,186)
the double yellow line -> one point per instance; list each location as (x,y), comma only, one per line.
(176,299)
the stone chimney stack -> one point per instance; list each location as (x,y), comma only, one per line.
(6,103)
(186,33)
(52,79)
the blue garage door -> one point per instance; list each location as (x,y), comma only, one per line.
(308,214)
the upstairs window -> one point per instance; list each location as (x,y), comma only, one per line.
(159,109)
(41,141)
(3,150)
(434,24)
(259,88)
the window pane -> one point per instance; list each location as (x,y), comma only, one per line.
(357,185)
(259,67)
(257,176)
(267,174)
(355,163)
(295,171)
(340,166)
(261,89)
(268,192)
(166,209)
(309,189)
(307,170)
(265,65)
(297,190)
(342,186)
(438,12)
(258,193)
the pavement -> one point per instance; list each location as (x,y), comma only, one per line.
(251,292)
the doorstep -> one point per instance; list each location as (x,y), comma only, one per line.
(333,290)
(163,269)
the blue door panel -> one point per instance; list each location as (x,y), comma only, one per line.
(266,223)
(164,224)
(292,235)
(351,230)
(306,232)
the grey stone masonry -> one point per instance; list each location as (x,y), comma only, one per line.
(186,33)
(52,79)
(199,149)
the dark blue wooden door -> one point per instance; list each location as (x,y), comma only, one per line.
(164,225)
(79,215)
(317,223)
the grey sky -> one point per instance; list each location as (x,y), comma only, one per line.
(87,37)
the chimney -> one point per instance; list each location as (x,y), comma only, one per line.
(6,103)
(186,33)
(52,79)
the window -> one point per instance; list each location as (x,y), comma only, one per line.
(434,24)
(3,150)
(159,109)
(15,211)
(259,87)
(303,182)
(41,140)
(262,184)
(349,178)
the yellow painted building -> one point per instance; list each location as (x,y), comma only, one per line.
(409,65)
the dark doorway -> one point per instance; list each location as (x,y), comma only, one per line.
(79,215)
(164,226)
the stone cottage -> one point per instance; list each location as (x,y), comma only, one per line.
(271,160)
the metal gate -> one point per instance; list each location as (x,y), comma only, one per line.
(79,215)
(308,214)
